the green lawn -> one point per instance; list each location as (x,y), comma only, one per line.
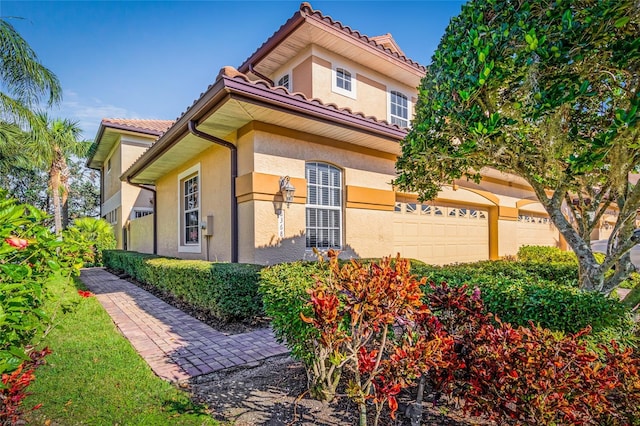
(95,377)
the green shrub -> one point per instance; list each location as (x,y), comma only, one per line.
(519,292)
(633,298)
(284,294)
(545,254)
(93,235)
(30,255)
(228,291)
(631,282)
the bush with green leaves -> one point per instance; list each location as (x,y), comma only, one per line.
(93,235)
(284,289)
(519,292)
(546,254)
(229,291)
(29,256)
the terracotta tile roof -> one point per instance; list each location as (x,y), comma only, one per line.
(231,72)
(153,127)
(306,11)
(234,73)
(230,79)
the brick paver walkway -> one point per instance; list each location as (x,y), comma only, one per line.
(176,345)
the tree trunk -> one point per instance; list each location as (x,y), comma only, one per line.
(54,183)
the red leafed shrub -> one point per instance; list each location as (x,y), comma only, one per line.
(14,385)
(529,375)
(460,317)
(532,376)
(367,318)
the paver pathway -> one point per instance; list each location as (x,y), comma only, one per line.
(176,345)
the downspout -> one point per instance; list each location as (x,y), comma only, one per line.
(155,212)
(262,76)
(234,174)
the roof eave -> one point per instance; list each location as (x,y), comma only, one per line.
(272,42)
(226,87)
(307,14)
(199,108)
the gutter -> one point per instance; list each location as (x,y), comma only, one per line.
(262,76)
(234,174)
(155,212)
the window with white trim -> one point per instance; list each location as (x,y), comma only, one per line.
(284,82)
(112,216)
(190,211)
(343,79)
(139,212)
(324,206)
(399,109)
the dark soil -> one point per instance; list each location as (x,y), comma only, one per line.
(274,393)
(203,315)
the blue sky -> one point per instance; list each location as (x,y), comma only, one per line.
(152,59)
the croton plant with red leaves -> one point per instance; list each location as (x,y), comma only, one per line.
(529,375)
(366,317)
(14,385)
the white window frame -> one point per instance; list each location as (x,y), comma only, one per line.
(182,177)
(334,81)
(391,116)
(289,81)
(317,207)
(147,210)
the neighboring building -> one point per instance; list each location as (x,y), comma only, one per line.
(320,108)
(118,144)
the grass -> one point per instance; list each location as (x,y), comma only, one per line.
(94,376)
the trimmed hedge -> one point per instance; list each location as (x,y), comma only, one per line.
(284,294)
(518,292)
(546,254)
(229,291)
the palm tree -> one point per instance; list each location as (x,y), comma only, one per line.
(49,145)
(24,81)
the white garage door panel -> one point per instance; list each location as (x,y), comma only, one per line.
(440,234)
(536,231)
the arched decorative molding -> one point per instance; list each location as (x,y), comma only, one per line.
(526,202)
(489,196)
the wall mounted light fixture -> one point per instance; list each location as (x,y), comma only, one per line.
(287,189)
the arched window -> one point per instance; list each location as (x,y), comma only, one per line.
(324,206)
(399,109)
(284,81)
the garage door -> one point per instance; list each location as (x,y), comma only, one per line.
(536,230)
(439,234)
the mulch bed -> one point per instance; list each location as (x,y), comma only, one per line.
(275,391)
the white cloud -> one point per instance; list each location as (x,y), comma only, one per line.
(88,112)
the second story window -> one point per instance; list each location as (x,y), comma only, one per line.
(284,82)
(343,79)
(399,109)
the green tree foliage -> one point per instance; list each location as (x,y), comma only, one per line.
(50,145)
(548,91)
(24,81)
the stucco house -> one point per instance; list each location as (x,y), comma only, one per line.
(295,149)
